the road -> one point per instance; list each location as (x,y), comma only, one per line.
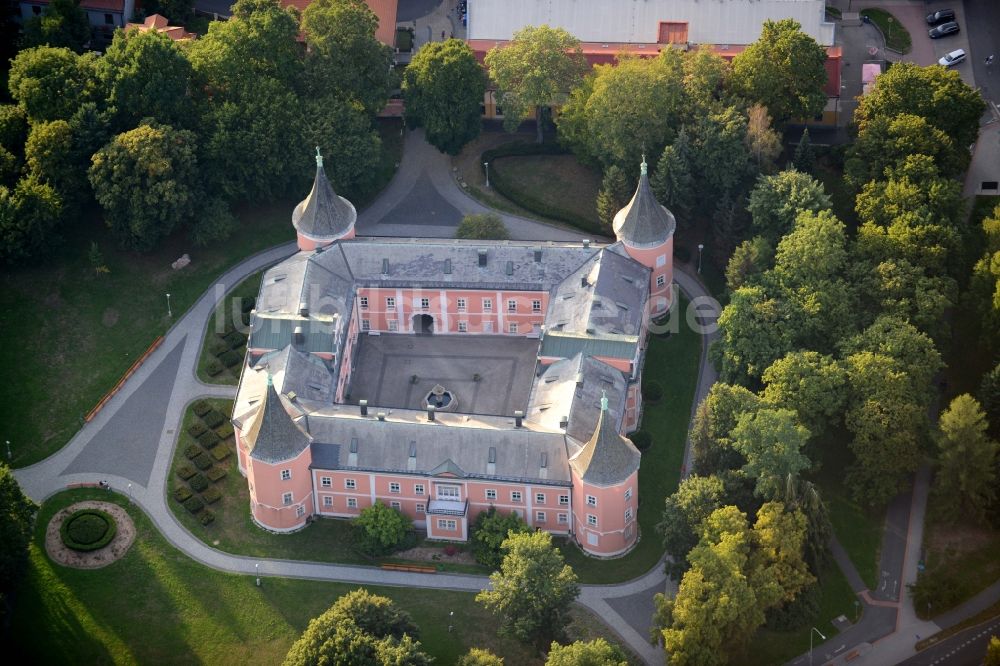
(964,649)
(982,23)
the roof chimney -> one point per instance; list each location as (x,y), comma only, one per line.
(303,309)
(363,404)
(381,416)
(564,422)
(583,281)
(430,412)
(298,336)
(586,242)
(518,418)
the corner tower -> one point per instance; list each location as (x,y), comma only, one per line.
(605,474)
(323,217)
(646,229)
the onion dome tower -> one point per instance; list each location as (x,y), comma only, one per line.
(323,217)
(646,229)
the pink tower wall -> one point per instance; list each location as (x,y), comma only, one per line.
(660,261)
(614,533)
(267,490)
(308,244)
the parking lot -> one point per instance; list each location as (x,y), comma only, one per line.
(927,51)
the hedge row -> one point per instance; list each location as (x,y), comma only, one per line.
(87,530)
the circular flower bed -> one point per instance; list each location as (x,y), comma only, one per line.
(88,530)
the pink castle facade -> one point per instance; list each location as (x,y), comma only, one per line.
(311,445)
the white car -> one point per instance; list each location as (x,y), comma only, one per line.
(953,58)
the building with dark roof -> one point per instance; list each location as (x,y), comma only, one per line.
(445,377)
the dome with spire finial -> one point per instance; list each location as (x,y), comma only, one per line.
(644,222)
(608,458)
(324,215)
(273,436)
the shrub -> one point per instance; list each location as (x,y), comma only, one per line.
(208,439)
(212,495)
(381,529)
(482,226)
(214,366)
(245,318)
(88,530)
(235,339)
(202,407)
(196,428)
(206,517)
(198,483)
(191,451)
(186,471)
(214,418)
(216,473)
(220,452)
(231,358)
(202,461)
(450,550)
(642,439)
(217,346)
(682,254)
(181,493)
(488,533)
(194,504)
(248,303)
(652,390)
(225,430)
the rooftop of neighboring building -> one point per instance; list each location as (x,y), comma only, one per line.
(385,10)
(160,24)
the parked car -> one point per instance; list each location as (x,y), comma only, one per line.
(943,30)
(940,16)
(953,58)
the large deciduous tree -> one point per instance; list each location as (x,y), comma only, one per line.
(536,69)
(147,181)
(490,531)
(777,200)
(761,140)
(479,657)
(381,528)
(771,440)
(887,141)
(694,500)
(966,476)
(17,517)
(811,384)
(51,155)
(51,83)
(784,70)
(443,87)
(597,652)
(756,328)
(714,419)
(61,23)
(532,592)
(29,219)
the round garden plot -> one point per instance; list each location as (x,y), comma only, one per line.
(89,535)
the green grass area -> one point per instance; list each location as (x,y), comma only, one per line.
(227,317)
(673,361)
(558,183)
(896,36)
(67,335)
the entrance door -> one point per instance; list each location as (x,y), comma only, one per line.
(423,324)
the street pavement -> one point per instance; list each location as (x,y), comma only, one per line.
(982,23)
(964,649)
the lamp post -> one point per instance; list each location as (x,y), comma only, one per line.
(256,568)
(701,246)
(451,617)
(8,451)
(811,642)
(487,166)
(169,313)
(129,491)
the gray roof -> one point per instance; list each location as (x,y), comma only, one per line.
(295,371)
(608,458)
(573,388)
(556,344)
(644,223)
(272,333)
(272,436)
(323,214)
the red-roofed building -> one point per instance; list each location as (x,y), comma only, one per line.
(104,15)
(160,24)
(385,10)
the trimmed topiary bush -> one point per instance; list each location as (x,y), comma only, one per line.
(196,428)
(206,517)
(194,504)
(212,495)
(181,493)
(198,483)
(652,391)
(235,339)
(216,473)
(214,366)
(88,530)
(248,303)
(231,358)
(225,430)
(202,461)
(191,451)
(217,346)
(642,439)
(186,471)
(214,418)
(202,407)
(220,452)
(208,439)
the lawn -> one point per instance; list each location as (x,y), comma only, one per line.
(673,361)
(896,36)
(228,316)
(201,615)
(63,325)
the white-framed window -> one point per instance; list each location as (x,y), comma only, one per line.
(515,496)
(536,306)
(350,484)
(661,261)
(628,494)
(491,494)
(661,280)
(366,325)
(327,501)
(448,492)
(511,305)
(463,327)
(364,302)
(286,499)
(564,500)
(421,508)
(591,500)
(326,482)
(393,325)
(592,539)
(592,520)
(461,305)
(487,305)
(395,505)
(425,303)
(394,487)
(539,498)
(418,489)
(563,518)
(352,502)
(487,327)
(628,514)
(628,531)
(286,474)
(300,511)
(512,327)
(539,516)
(390,302)
(447,524)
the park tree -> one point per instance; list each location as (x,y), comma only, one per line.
(616,191)
(532,592)
(992,652)
(771,440)
(489,532)
(705,74)
(989,398)
(748,263)
(13,127)
(811,384)
(761,140)
(897,288)
(985,284)
(673,181)
(51,156)
(145,75)
(965,482)
(50,83)
(936,94)
(785,70)
(381,529)
(29,219)
(779,572)
(344,57)
(479,657)
(62,23)
(911,350)
(443,87)
(714,419)
(148,183)
(597,652)
(537,68)
(776,201)
(722,161)
(803,496)
(886,142)
(804,158)
(755,329)
(482,226)
(343,131)
(17,519)
(694,500)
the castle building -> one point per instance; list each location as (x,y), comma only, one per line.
(445,377)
